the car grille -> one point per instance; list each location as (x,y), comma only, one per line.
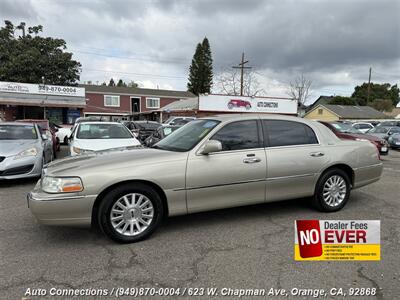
(17,170)
(2,158)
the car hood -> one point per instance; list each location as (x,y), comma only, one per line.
(113,159)
(13,147)
(103,144)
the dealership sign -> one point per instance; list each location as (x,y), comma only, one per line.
(247,104)
(43,89)
(337,240)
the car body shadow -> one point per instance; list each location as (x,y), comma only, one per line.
(18,182)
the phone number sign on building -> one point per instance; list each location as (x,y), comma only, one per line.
(225,103)
(46,89)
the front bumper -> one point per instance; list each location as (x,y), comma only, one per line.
(30,166)
(394,145)
(61,209)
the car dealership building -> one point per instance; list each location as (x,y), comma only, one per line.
(60,104)
(123,103)
(64,104)
(211,104)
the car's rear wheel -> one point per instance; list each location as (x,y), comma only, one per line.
(130,213)
(332,190)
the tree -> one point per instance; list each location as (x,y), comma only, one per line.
(121,83)
(382,105)
(208,66)
(111,83)
(300,89)
(201,70)
(30,57)
(228,83)
(339,100)
(132,84)
(377,91)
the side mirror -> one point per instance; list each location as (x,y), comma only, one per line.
(44,137)
(212,146)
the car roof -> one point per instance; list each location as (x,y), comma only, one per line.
(247,116)
(100,122)
(145,122)
(17,123)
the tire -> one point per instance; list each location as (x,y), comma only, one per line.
(65,140)
(132,213)
(336,185)
(248,106)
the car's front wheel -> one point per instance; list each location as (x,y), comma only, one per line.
(332,190)
(130,212)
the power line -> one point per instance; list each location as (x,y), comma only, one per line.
(136,74)
(133,58)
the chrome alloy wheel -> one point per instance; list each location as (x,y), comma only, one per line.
(132,214)
(335,190)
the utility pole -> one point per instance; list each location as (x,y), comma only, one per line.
(369,84)
(242,67)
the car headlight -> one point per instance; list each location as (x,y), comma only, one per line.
(28,152)
(61,184)
(77,150)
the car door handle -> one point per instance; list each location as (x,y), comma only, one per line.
(251,160)
(317,154)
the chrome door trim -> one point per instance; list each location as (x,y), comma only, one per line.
(218,185)
(290,177)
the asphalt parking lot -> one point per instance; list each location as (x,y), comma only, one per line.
(246,247)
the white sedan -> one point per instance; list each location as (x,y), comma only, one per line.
(97,136)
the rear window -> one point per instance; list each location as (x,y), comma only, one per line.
(19,132)
(288,133)
(103,131)
(148,126)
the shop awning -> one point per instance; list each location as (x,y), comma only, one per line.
(41,100)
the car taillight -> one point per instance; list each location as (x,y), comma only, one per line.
(377,150)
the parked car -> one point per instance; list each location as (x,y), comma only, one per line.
(392,123)
(24,149)
(95,136)
(394,141)
(384,132)
(239,103)
(362,126)
(142,129)
(210,163)
(178,121)
(346,131)
(48,130)
(63,133)
(159,134)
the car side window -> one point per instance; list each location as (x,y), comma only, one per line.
(287,133)
(238,136)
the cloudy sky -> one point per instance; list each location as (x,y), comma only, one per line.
(152,41)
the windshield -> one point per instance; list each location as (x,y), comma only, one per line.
(346,128)
(379,130)
(188,136)
(103,131)
(19,132)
